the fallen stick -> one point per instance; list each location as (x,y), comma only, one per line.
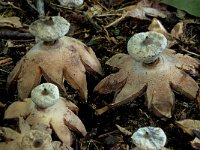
(9,34)
(5,61)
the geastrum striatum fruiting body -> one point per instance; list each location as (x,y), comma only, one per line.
(47,108)
(152,69)
(28,139)
(56,57)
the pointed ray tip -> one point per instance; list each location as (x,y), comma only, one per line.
(101,110)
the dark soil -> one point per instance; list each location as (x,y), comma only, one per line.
(102,132)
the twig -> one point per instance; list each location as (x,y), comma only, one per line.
(108,133)
(144,113)
(117,21)
(102,6)
(107,34)
(106,15)
(5,61)
(9,34)
(123,130)
(93,141)
(4,71)
(10,4)
(69,9)
(192,53)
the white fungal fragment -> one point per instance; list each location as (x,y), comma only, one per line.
(45,95)
(149,138)
(146,46)
(71,3)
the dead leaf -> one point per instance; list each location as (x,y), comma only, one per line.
(12,22)
(94,10)
(154,4)
(188,125)
(111,3)
(2,105)
(157,26)
(195,143)
(143,12)
(137,12)
(123,130)
(176,32)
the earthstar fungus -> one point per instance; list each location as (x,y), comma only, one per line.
(152,69)
(56,57)
(28,139)
(59,115)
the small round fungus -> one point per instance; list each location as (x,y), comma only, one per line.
(45,95)
(149,138)
(146,46)
(71,3)
(50,28)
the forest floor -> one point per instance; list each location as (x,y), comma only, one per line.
(106,42)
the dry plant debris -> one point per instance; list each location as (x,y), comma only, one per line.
(195,143)
(175,34)
(152,69)
(27,139)
(2,105)
(5,61)
(56,57)
(192,127)
(123,130)
(138,12)
(189,125)
(46,107)
(12,22)
(71,3)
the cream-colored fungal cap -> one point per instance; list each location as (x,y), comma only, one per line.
(49,28)
(146,46)
(71,3)
(149,138)
(45,95)
(36,140)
